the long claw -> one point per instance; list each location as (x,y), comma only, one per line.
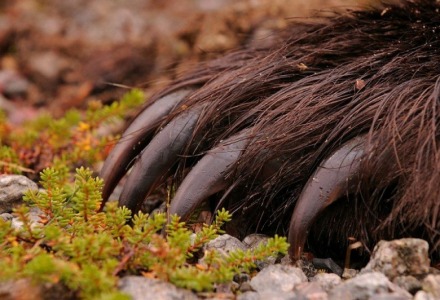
(208,175)
(333,179)
(157,158)
(135,137)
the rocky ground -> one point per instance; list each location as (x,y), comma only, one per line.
(398,269)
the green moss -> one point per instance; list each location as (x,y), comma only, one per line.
(72,140)
(85,249)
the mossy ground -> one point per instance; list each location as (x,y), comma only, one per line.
(86,250)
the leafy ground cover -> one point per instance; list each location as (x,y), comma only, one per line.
(86,250)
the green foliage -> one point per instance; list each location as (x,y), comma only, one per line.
(73,140)
(9,162)
(86,250)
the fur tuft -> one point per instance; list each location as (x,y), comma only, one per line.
(322,82)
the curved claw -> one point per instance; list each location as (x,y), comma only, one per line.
(135,137)
(207,176)
(160,154)
(333,179)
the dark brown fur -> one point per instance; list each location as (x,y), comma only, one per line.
(305,96)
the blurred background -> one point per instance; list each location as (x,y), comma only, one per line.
(55,55)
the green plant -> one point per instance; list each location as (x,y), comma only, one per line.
(86,250)
(9,162)
(73,140)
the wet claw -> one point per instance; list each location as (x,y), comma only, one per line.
(333,179)
(158,157)
(207,177)
(135,137)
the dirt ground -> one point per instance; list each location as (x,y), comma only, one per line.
(55,55)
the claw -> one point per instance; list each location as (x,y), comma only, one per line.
(333,179)
(157,158)
(135,137)
(208,175)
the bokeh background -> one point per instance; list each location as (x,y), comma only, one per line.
(55,55)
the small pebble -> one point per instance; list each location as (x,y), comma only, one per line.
(278,278)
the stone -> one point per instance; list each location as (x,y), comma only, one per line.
(431,285)
(272,295)
(12,188)
(327,280)
(422,295)
(306,266)
(408,283)
(26,289)
(12,83)
(252,241)
(34,216)
(349,273)
(6,216)
(249,296)
(139,288)
(245,287)
(310,291)
(400,258)
(48,64)
(368,286)
(390,297)
(225,244)
(278,278)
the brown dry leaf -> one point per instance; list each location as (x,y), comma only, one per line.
(360,84)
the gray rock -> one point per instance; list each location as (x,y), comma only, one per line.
(245,287)
(368,286)
(327,280)
(48,64)
(422,295)
(408,283)
(307,267)
(249,296)
(278,278)
(349,273)
(286,260)
(234,287)
(34,215)
(400,258)
(226,288)
(6,216)
(225,244)
(310,291)
(431,285)
(13,83)
(30,290)
(140,288)
(252,241)
(327,264)
(243,280)
(272,295)
(12,188)
(390,297)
